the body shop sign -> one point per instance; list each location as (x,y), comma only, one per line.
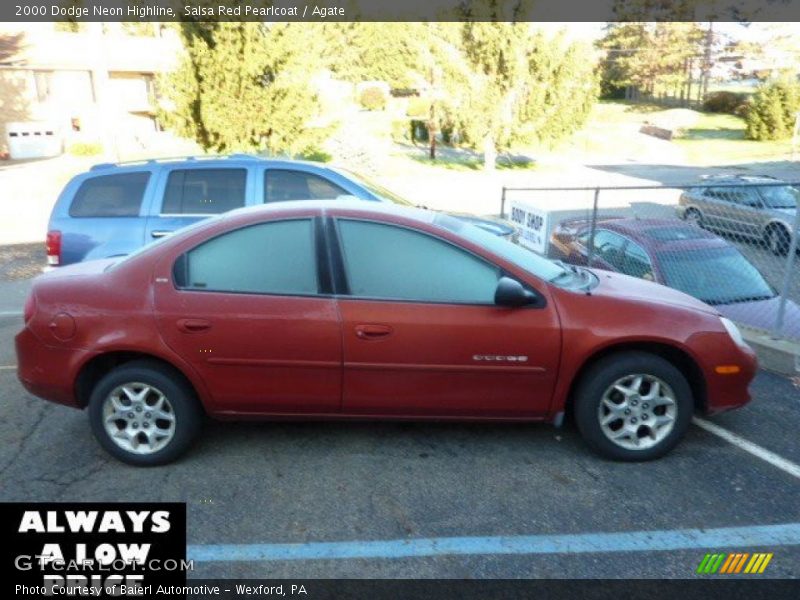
(94,549)
(533,222)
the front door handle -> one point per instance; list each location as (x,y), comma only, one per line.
(159,234)
(372,332)
(193,325)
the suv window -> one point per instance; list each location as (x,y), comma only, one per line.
(269,258)
(204,191)
(281,185)
(386,261)
(110,196)
(637,263)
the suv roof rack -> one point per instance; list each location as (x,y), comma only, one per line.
(153,161)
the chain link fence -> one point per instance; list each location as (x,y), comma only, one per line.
(730,243)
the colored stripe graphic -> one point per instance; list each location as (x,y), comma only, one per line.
(734,563)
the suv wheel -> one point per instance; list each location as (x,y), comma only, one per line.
(778,240)
(143,414)
(633,406)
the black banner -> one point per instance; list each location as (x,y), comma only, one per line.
(92,549)
(398,10)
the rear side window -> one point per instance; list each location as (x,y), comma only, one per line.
(204,191)
(269,258)
(110,196)
(282,185)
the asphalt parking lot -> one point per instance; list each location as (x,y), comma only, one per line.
(282,489)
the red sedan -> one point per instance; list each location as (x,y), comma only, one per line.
(353,311)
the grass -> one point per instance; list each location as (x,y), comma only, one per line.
(473,163)
(719,139)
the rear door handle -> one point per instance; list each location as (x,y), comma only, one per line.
(372,332)
(193,325)
(159,234)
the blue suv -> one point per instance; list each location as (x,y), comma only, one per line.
(114,209)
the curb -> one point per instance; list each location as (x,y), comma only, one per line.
(776,355)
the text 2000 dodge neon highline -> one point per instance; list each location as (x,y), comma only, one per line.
(351,310)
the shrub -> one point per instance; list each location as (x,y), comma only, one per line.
(771,114)
(372,98)
(418,108)
(724,102)
(401,130)
(85,149)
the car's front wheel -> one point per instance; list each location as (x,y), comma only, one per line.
(144,414)
(633,406)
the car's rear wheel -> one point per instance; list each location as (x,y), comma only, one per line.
(633,406)
(778,240)
(694,217)
(144,414)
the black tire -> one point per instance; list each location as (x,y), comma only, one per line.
(600,377)
(183,404)
(692,215)
(778,240)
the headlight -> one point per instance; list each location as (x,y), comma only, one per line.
(733,331)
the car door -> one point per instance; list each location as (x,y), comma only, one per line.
(191,193)
(744,212)
(718,208)
(423,337)
(246,310)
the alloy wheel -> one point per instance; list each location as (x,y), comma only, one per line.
(138,418)
(637,411)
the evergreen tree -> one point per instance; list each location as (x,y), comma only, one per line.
(245,87)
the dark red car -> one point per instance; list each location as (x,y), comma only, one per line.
(682,256)
(363,311)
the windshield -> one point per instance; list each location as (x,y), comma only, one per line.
(715,276)
(539,266)
(377,189)
(779,197)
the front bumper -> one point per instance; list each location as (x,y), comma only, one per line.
(729,391)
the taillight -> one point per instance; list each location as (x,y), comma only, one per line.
(53,245)
(30,307)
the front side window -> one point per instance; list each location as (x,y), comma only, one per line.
(269,258)
(608,246)
(389,262)
(110,196)
(204,191)
(637,263)
(281,185)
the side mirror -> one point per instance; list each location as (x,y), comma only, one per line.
(510,293)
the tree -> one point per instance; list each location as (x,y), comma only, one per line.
(521,87)
(245,87)
(771,114)
(650,58)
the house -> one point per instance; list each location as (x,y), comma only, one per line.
(96,83)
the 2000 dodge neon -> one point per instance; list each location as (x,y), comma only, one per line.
(336,309)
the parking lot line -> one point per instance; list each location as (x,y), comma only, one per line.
(7,367)
(775,460)
(10,313)
(787,534)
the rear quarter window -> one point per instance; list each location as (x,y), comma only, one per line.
(110,196)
